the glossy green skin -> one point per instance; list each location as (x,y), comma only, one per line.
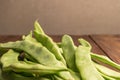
(85,66)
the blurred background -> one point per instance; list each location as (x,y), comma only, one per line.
(57,17)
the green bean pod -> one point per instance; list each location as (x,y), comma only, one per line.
(9,58)
(105,60)
(101,58)
(46,41)
(107,77)
(34,68)
(107,71)
(76,75)
(65,75)
(84,43)
(85,65)
(69,48)
(57,77)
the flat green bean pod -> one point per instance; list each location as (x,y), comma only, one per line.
(69,49)
(106,71)
(105,60)
(47,41)
(85,65)
(9,58)
(34,68)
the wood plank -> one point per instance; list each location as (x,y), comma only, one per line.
(6,38)
(110,44)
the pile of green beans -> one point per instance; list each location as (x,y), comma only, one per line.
(41,58)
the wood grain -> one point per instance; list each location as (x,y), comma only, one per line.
(110,44)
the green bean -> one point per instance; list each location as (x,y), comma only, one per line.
(65,75)
(57,78)
(34,68)
(47,42)
(101,58)
(105,60)
(85,66)
(16,76)
(107,77)
(38,28)
(85,43)
(69,48)
(31,39)
(39,53)
(28,57)
(107,71)
(13,76)
(76,75)
(43,79)
(8,58)
(59,44)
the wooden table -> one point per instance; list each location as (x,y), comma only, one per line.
(108,45)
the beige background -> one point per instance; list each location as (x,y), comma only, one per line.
(60,16)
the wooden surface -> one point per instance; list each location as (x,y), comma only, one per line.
(108,45)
